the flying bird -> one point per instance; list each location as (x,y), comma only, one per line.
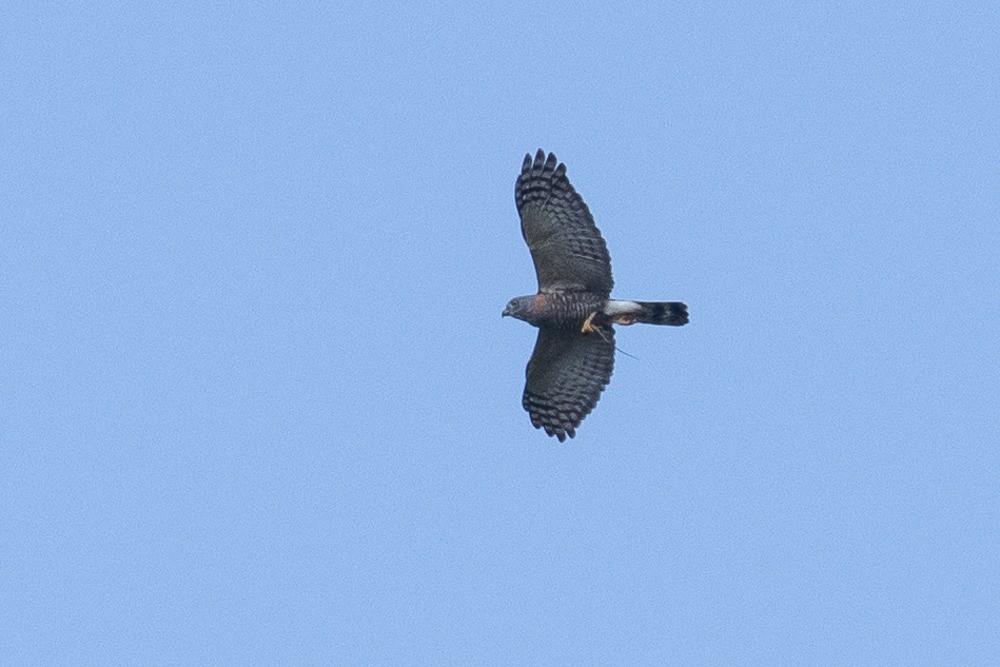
(574,354)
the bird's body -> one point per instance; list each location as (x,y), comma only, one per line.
(584,310)
(574,354)
(558,309)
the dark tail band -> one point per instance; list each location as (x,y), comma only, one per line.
(673,313)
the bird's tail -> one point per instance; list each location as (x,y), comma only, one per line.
(673,313)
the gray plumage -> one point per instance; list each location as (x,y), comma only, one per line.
(565,244)
(574,354)
(565,377)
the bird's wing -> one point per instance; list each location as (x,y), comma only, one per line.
(566,246)
(567,372)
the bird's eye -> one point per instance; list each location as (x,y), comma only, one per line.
(512,305)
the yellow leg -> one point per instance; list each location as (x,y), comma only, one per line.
(588,324)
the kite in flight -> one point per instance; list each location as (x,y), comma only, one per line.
(573,310)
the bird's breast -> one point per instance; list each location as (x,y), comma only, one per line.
(564,309)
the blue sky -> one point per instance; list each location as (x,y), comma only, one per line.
(259,406)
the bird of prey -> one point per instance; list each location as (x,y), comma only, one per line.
(575,352)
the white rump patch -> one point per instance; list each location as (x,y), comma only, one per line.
(621,307)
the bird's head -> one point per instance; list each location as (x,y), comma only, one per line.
(519,307)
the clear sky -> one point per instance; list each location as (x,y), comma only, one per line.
(259,406)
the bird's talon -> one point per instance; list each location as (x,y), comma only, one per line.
(588,326)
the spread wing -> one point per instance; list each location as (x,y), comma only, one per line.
(567,372)
(566,246)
